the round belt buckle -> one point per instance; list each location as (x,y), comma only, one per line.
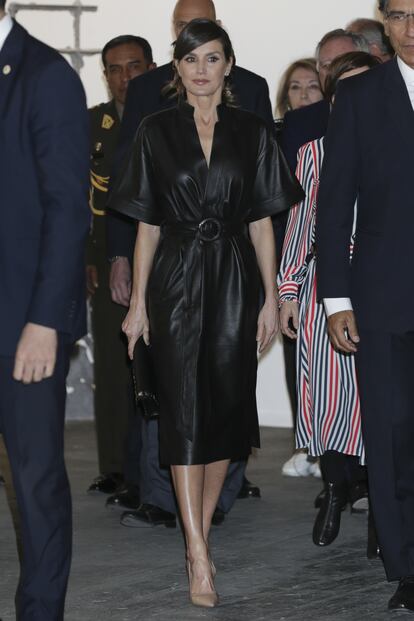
(210,229)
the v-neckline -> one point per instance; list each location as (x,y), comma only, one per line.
(188,111)
(206,162)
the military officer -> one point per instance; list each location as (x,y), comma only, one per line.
(123,58)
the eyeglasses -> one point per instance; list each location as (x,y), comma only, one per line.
(398,17)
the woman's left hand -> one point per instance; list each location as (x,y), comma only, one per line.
(267,324)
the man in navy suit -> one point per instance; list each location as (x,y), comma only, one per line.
(145,97)
(370,303)
(45,219)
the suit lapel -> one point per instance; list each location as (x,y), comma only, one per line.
(11,57)
(397,102)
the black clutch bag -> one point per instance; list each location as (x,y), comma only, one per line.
(144,381)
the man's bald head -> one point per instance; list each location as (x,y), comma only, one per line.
(187,10)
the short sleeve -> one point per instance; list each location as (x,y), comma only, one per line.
(276,187)
(134,190)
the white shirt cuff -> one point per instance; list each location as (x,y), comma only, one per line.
(336,305)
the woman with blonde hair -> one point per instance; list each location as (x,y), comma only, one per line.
(299,87)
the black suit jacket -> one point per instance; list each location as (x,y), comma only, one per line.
(44,155)
(302,126)
(369,156)
(145,97)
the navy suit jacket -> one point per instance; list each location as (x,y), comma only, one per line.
(369,156)
(145,97)
(44,169)
(302,126)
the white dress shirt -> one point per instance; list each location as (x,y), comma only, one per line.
(335,305)
(408,75)
(6,24)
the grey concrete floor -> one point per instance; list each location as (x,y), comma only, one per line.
(268,568)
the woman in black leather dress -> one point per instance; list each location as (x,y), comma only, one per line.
(203,180)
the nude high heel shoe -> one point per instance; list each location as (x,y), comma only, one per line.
(204,600)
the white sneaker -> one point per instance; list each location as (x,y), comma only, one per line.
(315,470)
(298,465)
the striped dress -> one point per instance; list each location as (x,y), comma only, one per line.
(328,417)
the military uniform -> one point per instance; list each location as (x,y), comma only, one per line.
(113,384)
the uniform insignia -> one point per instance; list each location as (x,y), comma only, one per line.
(107,121)
(6,70)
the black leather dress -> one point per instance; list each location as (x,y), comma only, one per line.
(204,288)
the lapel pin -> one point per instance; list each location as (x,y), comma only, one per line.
(6,69)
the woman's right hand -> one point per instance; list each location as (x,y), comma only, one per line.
(289,311)
(135,325)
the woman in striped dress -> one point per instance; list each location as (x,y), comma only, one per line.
(328,418)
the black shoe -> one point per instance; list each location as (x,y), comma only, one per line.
(328,520)
(106,483)
(358,497)
(403,598)
(373,548)
(125,498)
(148,515)
(319,499)
(218,517)
(248,490)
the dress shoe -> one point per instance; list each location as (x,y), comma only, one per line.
(328,520)
(125,498)
(358,497)
(403,598)
(218,517)
(373,548)
(248,490)
(106,483)
(204,600)
(148,515)
(319,499)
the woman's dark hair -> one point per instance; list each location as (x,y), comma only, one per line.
(197,33)
(2,4)
(343,64)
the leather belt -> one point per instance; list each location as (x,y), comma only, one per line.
(208,230)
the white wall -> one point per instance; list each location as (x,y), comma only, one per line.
(267,35)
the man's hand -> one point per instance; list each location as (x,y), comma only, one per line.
(91,279)
(120,281)
(36,354)
(343,331)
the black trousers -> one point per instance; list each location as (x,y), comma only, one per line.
(340,468)
(385,366)
(32,424)
(113,396)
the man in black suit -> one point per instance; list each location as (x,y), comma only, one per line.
(145,97)
(370,304)
(44,162)
(309,123)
